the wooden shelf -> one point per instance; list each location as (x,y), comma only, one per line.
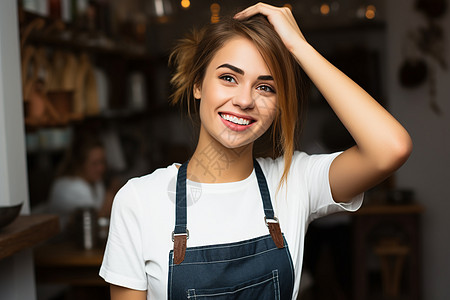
(67,254)
(27,231)
(65,262)
(67,36)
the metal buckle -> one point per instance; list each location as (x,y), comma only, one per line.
(186,234)
(267,221)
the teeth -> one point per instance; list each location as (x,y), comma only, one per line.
(236,120)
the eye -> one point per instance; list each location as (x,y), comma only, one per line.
(266,88)
(228,78)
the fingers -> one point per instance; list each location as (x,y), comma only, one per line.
(274,14)
(259,8)
(281,18)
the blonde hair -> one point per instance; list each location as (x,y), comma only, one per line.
(193,54)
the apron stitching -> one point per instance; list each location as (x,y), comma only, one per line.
(238,290)
(266,237)
(191,294)
(227,260)
(276,284)
(291,265)
(171,276)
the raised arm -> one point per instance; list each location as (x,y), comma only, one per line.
(382,144)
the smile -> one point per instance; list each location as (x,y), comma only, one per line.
(236,120)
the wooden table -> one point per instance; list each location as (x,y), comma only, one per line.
(26,232)
(67,263)
(366,221)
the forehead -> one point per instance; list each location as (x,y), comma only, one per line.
(242,53)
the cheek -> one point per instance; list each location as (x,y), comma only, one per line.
(268,109)
(210,100)
(268,122)
(203,110)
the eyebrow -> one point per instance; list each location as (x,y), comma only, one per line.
(240,71)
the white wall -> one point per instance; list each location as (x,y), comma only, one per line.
(16,272)
(428,170)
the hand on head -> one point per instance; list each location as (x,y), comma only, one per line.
(282,20)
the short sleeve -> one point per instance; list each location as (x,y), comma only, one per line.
(123,263)
(321,202)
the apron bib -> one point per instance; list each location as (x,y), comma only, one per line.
(260,268)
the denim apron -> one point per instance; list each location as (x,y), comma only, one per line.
(260,268)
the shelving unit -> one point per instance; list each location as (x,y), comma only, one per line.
(116,60)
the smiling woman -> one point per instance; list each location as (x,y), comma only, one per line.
(247,217)
(255,46)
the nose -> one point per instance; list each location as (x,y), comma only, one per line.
(244,99)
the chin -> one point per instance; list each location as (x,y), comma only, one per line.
(235,144)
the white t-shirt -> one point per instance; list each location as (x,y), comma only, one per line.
(143,217)
(70,193)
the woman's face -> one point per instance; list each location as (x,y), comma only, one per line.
(238,98)
(94,166)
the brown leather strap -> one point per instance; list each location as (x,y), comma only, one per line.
(275,232)
(179,248)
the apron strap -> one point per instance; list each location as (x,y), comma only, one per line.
(270,219)
(180,233)
(179,248)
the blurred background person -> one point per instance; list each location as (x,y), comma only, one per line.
(81,181)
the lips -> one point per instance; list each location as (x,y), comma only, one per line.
(236,122)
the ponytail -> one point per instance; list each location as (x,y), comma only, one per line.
(185,76)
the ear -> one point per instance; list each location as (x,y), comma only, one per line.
(197,91)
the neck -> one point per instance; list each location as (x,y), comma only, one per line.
(214,163)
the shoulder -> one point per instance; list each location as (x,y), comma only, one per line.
(142,196)
(147,187)
(303,165)
(270,165)
(155,180)
(297,156)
